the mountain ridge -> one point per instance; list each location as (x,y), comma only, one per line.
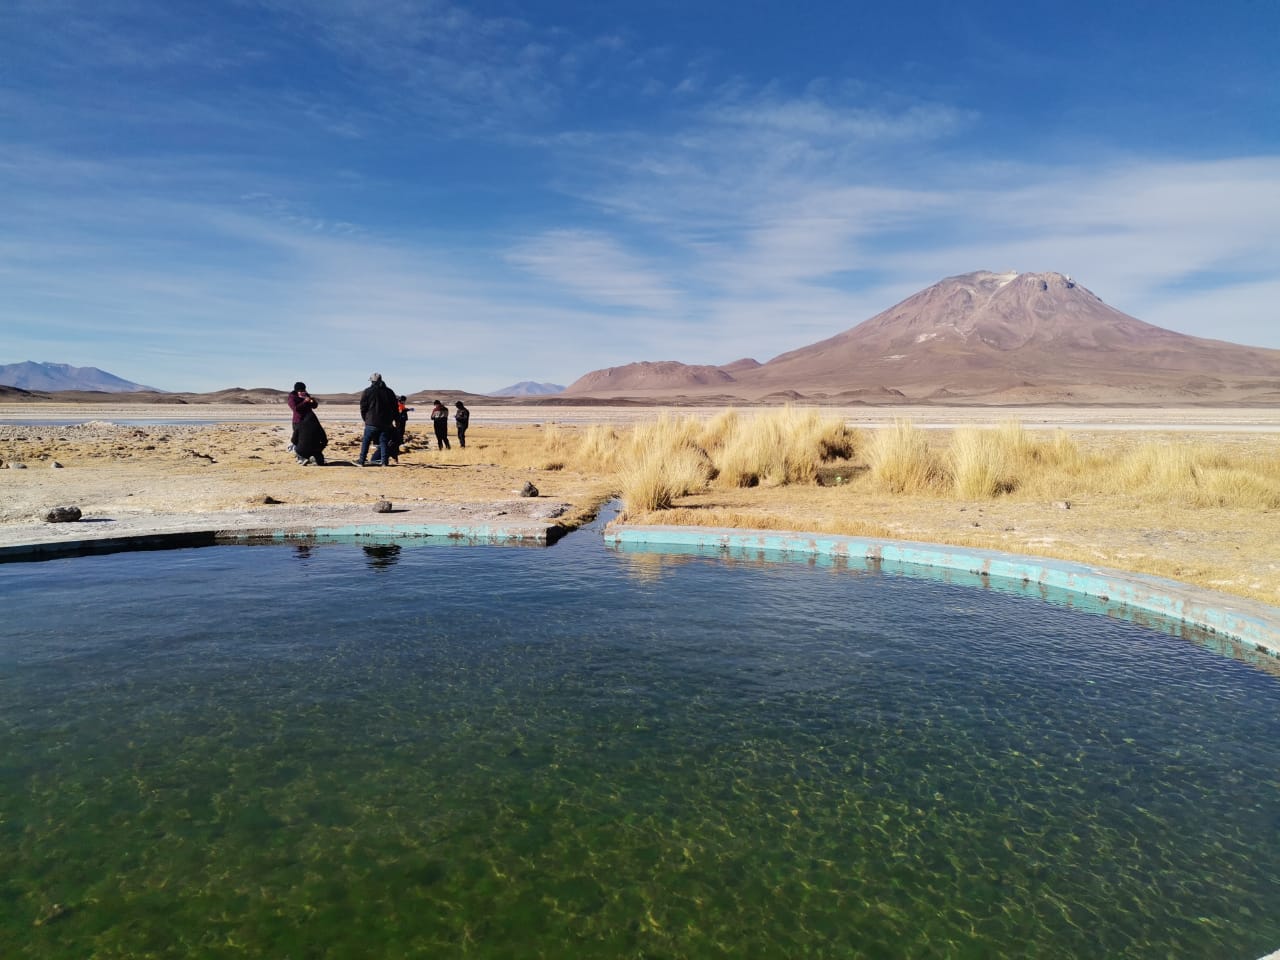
(528,388)
(982,337)
(44,376)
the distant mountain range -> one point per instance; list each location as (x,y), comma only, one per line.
(988,338)
(30,375)
(528,388)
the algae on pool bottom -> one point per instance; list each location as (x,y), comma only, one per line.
(519,752)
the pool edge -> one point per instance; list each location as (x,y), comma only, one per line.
(198,535)
(1247,621)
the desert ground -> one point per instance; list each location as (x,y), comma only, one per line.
(143,468)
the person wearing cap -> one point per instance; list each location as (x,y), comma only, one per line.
(461,417)
(378,411)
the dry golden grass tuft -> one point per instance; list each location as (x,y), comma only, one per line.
(671,457)
(901,459)
(1202,513)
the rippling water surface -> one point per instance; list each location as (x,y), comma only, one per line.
(393,751)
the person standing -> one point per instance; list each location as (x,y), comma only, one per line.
(402,423)
(301,403)
(440,420)
(378,411)
(461,418)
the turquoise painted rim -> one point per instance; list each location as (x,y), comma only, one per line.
(1254,626)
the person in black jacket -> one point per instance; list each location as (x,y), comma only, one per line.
(378,410)
(310,440)
(461,419)
(299,402)
(440,420)
(401,424)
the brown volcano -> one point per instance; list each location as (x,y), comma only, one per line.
(983,338)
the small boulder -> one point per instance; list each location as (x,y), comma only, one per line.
(269,499)
(54,465)
(63,514)
(382,506)
(528,490)
(14,465)
(1062,504)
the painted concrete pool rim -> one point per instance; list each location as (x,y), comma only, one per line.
(1252,623)
(1249,622)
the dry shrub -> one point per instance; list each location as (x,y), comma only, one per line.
(900,460)
(557,439)
(598,449)
(985,463)
(1236,487)
(672,457)
(780,447)
(718,432)
(1195,475)
(556,447)
(1062,452)
(654,477)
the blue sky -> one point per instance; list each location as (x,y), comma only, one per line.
(243,193)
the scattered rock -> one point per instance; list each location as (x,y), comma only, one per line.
(1062,504)
(382,506)
(54,465)
(528,490)
(63,514)
(51,913)
(17,466)
(270,499)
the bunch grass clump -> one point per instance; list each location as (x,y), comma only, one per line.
(1195,475)
(671,457)
(901,460)
(781,447)
(654,477)
(985,463)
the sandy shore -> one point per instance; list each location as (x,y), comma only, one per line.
(156,470)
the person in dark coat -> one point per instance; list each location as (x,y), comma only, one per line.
(461,418)
(378,410)
(401,424)
(299,402)
(440,420)
(310,440)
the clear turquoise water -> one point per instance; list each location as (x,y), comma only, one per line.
(400,751)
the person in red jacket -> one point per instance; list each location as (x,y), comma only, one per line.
(301,403)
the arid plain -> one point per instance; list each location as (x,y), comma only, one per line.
(153,464)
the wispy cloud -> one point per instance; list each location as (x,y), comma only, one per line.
(481,199)
(595,268)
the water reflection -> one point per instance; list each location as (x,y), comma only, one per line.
(380,556)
